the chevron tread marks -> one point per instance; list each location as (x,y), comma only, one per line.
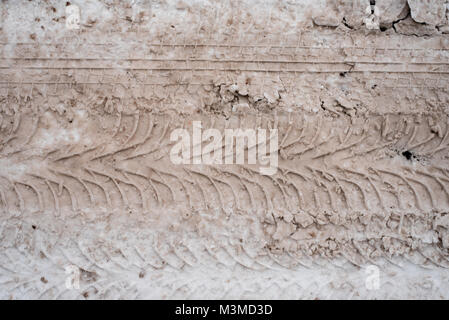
(384,174)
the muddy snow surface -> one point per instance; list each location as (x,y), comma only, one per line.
(92,205)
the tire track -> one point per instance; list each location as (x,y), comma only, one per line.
(86,179)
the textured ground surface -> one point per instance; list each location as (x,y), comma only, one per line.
(360,99)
